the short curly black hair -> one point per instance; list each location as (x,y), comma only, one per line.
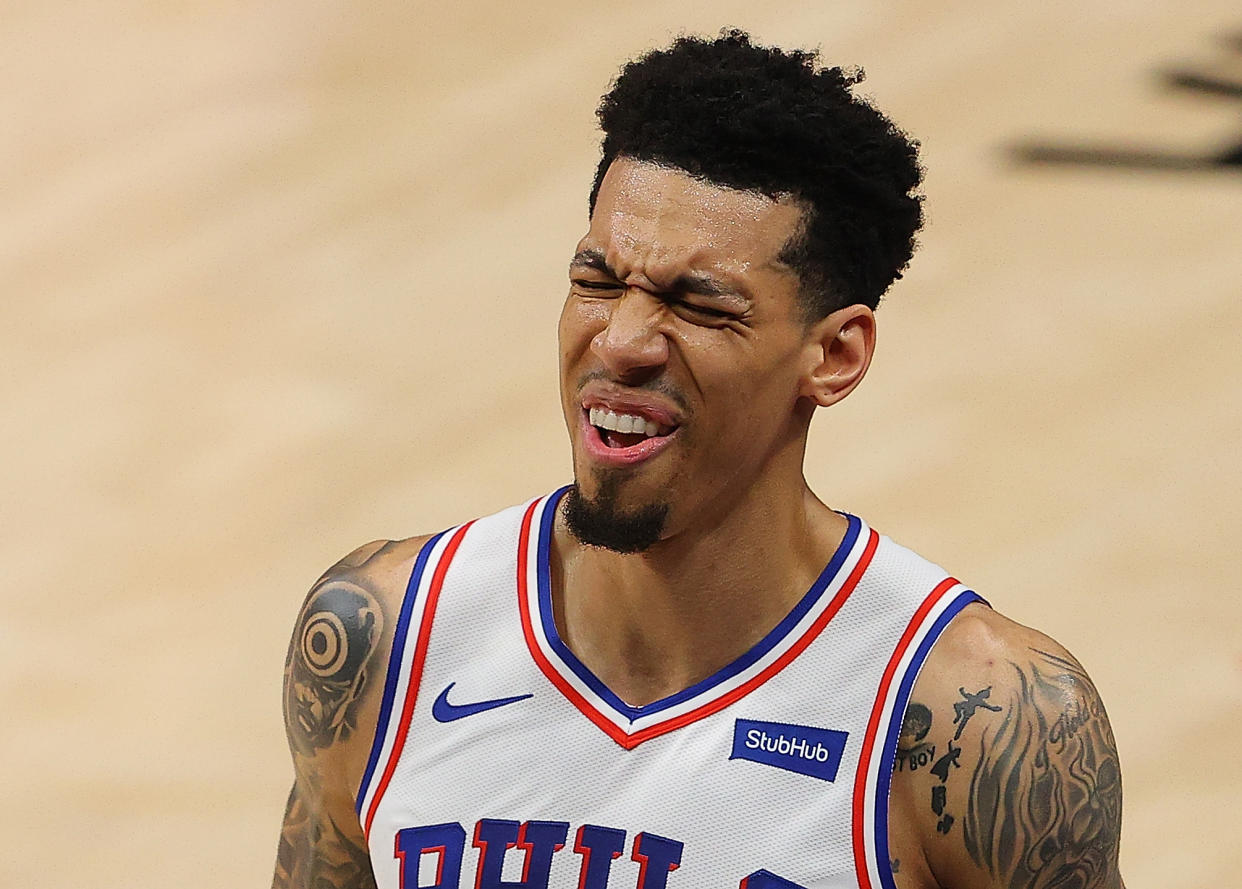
(768,120)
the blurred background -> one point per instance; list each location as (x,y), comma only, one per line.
(282,278)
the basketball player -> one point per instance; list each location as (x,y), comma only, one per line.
(684,670)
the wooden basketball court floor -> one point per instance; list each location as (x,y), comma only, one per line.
(282,278)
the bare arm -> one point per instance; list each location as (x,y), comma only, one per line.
(1024,787)
(333,683)
(315,851)
(1044,807)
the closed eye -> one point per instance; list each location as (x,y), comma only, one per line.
(704,310)
(694,312)
(699,311)
(585,284)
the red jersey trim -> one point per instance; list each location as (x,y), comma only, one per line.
(416,671)
(630,741)
(873,726)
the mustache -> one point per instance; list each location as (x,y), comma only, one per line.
(658,385)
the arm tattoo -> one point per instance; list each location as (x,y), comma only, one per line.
(966,707)
(1045,797)
(327,674)
(914,726)
(326,669)
(315,853)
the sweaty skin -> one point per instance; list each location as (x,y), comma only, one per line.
(678,293)
(680,306)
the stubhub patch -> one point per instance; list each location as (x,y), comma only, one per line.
(804,749)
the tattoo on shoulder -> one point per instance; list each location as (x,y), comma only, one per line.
(966,707)
(914,726)
(913,750)
(1044,807)
(329,662)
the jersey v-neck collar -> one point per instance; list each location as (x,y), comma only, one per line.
(629,725)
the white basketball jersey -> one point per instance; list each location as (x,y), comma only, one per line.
(501,761)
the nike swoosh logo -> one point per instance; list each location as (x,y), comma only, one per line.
(443,711)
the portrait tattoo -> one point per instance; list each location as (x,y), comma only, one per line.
(914,727)
(327,667)
(1044,808)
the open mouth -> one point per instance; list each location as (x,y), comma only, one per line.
(621,431)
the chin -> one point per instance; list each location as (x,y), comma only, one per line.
(602,519)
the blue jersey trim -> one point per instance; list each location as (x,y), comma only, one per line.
(883,862)
(761,648)
(394,665)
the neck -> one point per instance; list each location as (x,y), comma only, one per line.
(653,623)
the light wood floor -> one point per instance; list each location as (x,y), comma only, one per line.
(282,278)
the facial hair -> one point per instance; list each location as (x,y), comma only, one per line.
(601,522)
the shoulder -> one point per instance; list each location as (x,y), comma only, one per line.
(340,645)
(1007,768)
(332,691)
(983,647)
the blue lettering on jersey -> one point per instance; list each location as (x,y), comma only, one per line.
(657,857)
(795,748)
(765,879)
(599,848)
(540,840)
(446,840)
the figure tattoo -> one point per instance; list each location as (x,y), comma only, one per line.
(1044,808)
(327,667)
(947,762)
(965,708)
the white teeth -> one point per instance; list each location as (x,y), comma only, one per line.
(606,419)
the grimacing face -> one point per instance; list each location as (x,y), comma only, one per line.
(683,352)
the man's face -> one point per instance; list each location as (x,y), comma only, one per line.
(682,349)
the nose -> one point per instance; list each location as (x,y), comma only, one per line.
(631,343)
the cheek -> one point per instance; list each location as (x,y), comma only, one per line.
(755,402)
(580,321)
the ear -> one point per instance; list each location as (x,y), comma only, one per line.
(838,352)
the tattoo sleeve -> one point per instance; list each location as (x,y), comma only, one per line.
(314,852)
(328,672)
(1044,808)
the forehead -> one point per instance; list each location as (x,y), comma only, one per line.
(649,218)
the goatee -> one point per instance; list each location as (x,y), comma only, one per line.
(602,522)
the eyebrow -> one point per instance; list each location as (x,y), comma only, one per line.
(592,259)
(687,282)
